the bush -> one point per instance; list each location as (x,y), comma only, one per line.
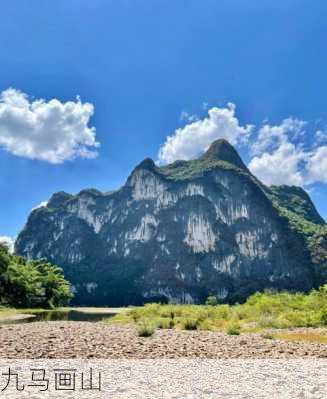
(165,323)
(145,329)
(223,312)
(233,329)
(190,324)
(205,325)
(212,301)
(135,315)
(323,316)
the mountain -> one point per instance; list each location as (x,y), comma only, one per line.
(180,233)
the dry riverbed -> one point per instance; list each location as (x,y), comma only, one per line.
(102,341)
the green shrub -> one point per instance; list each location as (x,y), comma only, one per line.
(205,325)
(323,316)
(301,318)
(135,315)
(190,324)
(165,323)
(212,301)
(233,329)
(145,329)
(223,312)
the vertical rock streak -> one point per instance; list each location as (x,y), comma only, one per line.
(170,238)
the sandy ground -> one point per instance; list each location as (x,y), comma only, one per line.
(174,379)
(69,340)
(16,317)
(22,316)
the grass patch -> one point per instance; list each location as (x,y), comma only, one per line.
(233,329)
(261,311)
(145,329)
(165,323)
(303,337)
(190,324)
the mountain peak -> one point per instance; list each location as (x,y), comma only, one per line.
(147,163)
(57,199)
(222,150)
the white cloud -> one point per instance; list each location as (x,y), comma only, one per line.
(280,157)
(189,141)
(282,166)
(321,136)
(271,137)
(317,166)
(51,131)
(279,154)
(277,158)
(41,205)
(185,116)
(9,242)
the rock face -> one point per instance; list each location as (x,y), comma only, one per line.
(177,233)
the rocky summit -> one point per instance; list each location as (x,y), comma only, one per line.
(181,232)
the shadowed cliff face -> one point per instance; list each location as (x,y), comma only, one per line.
(177,233)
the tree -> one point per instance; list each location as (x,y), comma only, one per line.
(26,283)
(212,301)
(56,289)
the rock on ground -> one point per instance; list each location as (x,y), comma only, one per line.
(81,340)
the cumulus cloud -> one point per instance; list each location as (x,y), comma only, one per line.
(281,166)
(271,137)
(321,136)
(52,131)
(279,154)
(282,157)
(316,167)
(9,242)
(189,141)
(277,159)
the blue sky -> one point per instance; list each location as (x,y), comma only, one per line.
(253,72)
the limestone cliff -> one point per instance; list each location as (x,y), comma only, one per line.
(177,233)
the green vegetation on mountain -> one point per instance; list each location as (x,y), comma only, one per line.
(182,170)
(297,201)
(220,155)
(295,205)
(31,283)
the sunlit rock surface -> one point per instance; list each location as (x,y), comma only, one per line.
(177,233)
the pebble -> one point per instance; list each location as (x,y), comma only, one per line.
(65,339)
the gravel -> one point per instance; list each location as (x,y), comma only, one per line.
(83,340)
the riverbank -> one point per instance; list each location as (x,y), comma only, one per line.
(82,340)
(8,315)
(12,315)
